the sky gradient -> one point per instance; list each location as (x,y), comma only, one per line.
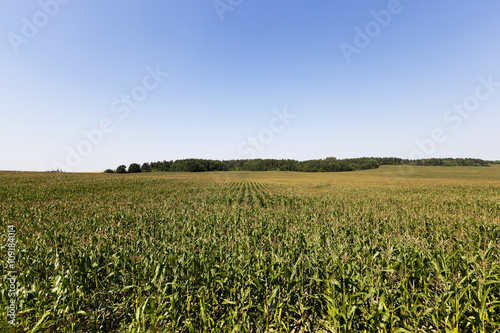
(84,84)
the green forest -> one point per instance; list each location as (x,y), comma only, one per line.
(329,164)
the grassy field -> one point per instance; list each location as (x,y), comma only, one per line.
(384,250)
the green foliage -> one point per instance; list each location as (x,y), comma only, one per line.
(109,171)
(146,167)
(121,169)
(134,168)
(451,162)
(329,164)
(245,254)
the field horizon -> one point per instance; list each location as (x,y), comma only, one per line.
(387,249)
(384,175)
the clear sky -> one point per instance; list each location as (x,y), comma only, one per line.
(84,84)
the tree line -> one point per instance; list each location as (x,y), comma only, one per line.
(435,161)
(329,164)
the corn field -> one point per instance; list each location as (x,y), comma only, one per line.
(254,252)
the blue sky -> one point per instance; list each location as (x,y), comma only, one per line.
(423,81)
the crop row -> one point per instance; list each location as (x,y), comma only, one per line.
(111,253)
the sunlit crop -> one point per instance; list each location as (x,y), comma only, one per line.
(255,252)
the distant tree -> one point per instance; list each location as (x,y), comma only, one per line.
(369,164)
(109,171)
(121,169)
(146,167)
(134,168)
